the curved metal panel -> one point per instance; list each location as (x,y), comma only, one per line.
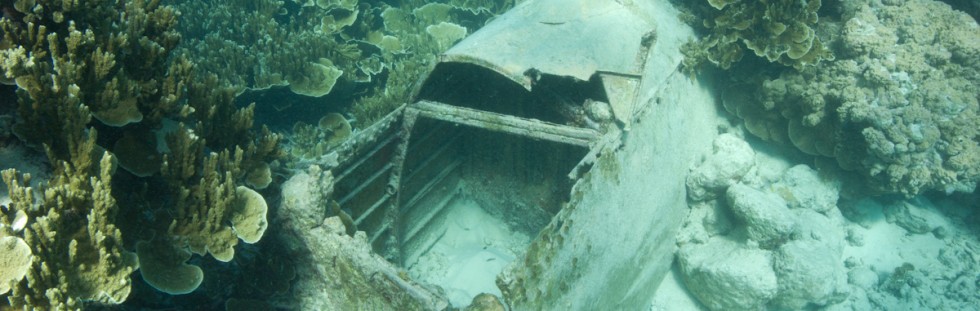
(574,38)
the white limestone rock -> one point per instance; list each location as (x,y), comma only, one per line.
(765,215)
(816,228)
(731,160)
(802,187)
(725,275)
(809,274)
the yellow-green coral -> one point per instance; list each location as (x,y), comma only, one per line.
(112,60)
(165,267)
(15,259)
(208,205)
(202,203)
(77,249)
(248,215)
(778,30)
(313,141)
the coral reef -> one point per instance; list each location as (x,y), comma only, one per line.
(78,253)
(119,81)
(898,106)
(307,45)
(779,31)
(107,67)
(323,47)
(310,142)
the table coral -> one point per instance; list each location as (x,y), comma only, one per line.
(165,268)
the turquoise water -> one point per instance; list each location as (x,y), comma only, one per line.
(841,175)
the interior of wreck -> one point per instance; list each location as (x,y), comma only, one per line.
(473,138)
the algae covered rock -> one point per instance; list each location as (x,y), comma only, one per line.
(802,187)
(809,274)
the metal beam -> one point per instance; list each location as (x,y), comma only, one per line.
(531,128)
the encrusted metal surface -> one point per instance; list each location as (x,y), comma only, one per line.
(574,38)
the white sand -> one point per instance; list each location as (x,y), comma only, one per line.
(466,259)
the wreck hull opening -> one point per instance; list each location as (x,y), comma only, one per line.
(474,197)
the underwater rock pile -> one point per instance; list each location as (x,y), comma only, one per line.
(781,249)
(781,236)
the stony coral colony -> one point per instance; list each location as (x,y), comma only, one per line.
(132,104)
(885,89)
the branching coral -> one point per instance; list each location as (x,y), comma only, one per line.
(75,48)
(211,212)
(260,44)
(78,251)
(111,60)
(899,105)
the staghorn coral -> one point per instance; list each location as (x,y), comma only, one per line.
(778,30)
(207,203)
(898,106)
(212,214)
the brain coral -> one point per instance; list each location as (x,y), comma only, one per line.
(899,105)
